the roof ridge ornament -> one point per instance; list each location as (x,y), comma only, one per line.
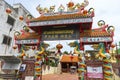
(71,9)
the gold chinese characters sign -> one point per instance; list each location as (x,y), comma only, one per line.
(60,34)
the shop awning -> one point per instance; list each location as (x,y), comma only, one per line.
(11,62)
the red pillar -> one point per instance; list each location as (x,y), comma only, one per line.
(40,33)
(106,47)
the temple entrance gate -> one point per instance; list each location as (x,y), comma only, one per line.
(74,24)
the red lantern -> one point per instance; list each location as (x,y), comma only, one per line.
(33,47)
(15,47)
(21,18)
(59,46)
(70,4)
(8,11)
(112,45)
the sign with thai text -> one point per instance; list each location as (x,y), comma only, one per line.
(94,72)
(96,39)
(29,41)
(62,21)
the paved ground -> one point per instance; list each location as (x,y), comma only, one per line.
(63,76)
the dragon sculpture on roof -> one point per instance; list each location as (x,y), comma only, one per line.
(70,7)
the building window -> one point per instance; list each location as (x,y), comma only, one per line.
(6,40)
(16,9)
(10,20)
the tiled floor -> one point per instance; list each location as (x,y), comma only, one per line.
(63,76)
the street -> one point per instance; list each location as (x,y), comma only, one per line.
(63,76)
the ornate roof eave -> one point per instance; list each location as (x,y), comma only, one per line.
(28,35)
(95,33)
(58,17)
(67,58)
(60,20)
(75,13)
(103,31)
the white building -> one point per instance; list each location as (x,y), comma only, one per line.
(10,21)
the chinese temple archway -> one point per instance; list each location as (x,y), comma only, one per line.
(73,24)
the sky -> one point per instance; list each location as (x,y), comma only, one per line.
(107,10)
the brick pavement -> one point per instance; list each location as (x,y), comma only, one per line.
(63,76)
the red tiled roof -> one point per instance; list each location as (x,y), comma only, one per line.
(62,16)
(90,33)
(28,35)
(67,58)
(95,33)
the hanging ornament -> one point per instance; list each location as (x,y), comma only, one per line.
(112,45)
(8,11)
(59,46)
(33,47)
(101,23)
(70,4)
(15,47)
(25,28)
(21,18)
